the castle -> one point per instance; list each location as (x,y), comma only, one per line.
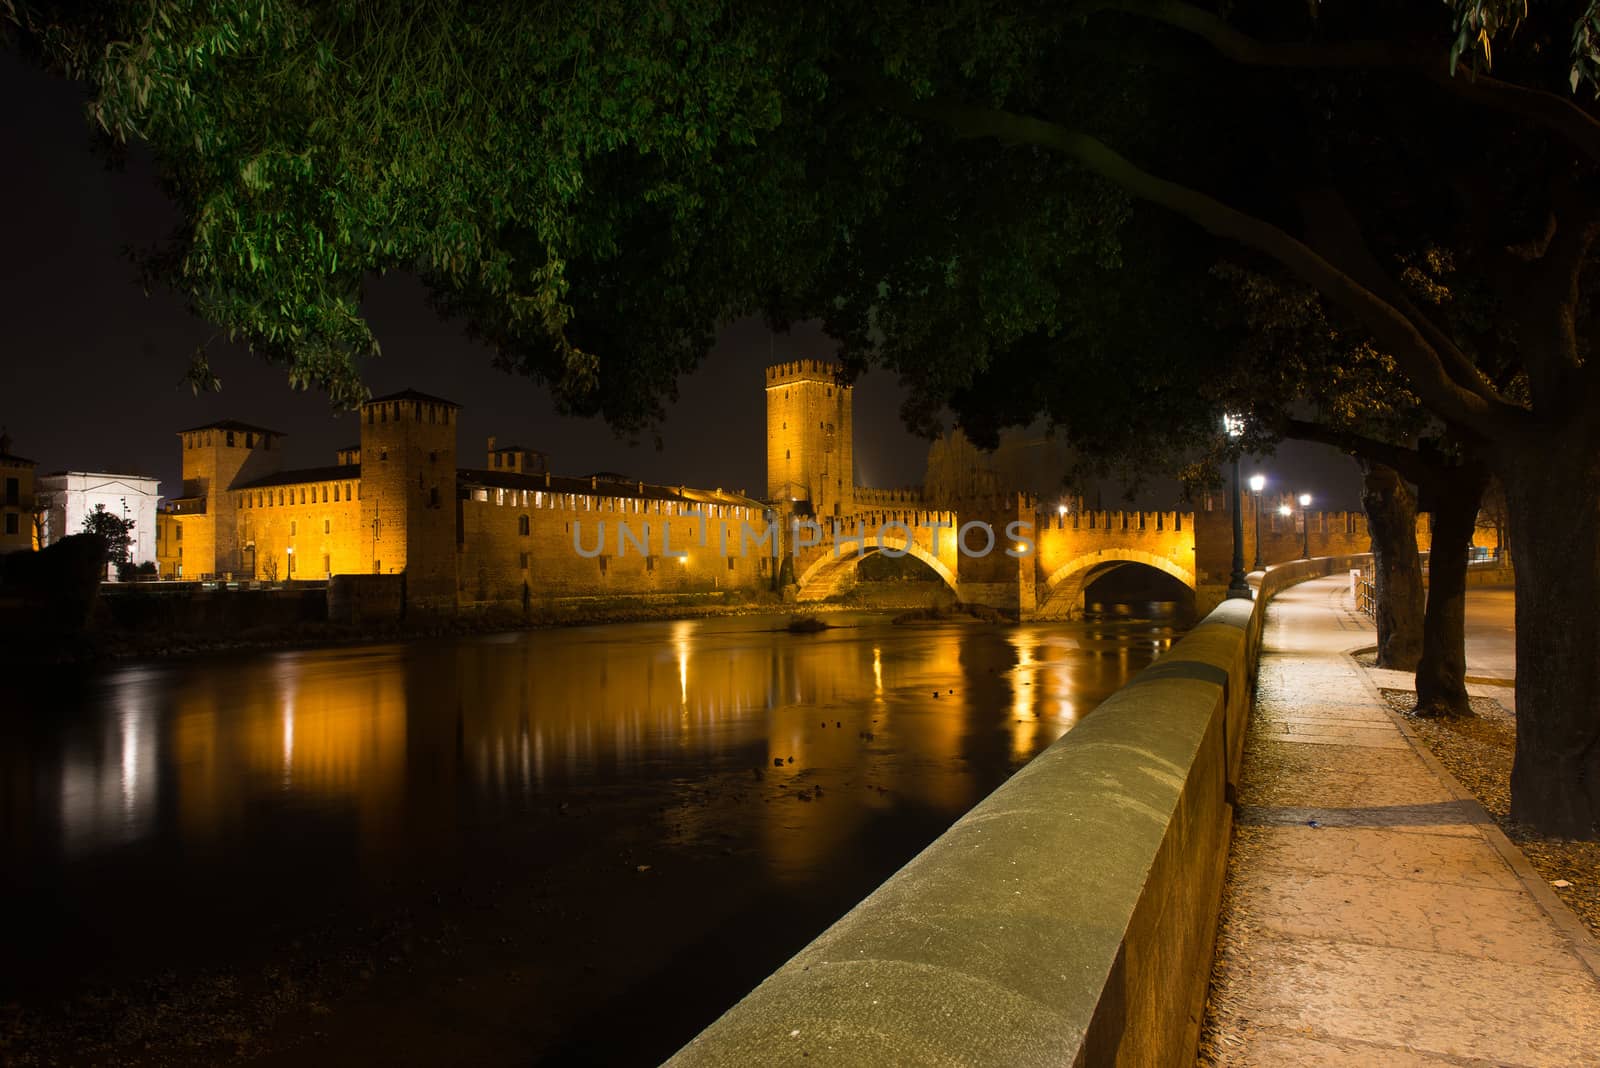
(398,503)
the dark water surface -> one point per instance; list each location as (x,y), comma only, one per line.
(568,846)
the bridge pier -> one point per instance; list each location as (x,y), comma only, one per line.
(997,579)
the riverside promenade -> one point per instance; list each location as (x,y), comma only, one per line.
(1374,913)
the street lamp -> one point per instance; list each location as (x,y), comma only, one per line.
(1233,426)
(1258,482)
(1305,527)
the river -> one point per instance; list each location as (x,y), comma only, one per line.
(560,846)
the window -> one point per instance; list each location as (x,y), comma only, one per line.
(433,497)
(324,494)
(649,563)
(383,454)
(11,522)
(602,565)
(249,441)
(291,528)
(524,557)
(230,439)
(327,565)
(327,526)
(13,491)
(730,563)
(177,533)
(522,525)
(336,491)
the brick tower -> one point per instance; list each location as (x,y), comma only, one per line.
(215,457)
(408,492)
(810,456)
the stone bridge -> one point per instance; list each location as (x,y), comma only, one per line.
(1040,559)
(1001,552)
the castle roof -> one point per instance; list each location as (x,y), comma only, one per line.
(233,424)
(333,473)
(515,448)
(414,395)
(17,461)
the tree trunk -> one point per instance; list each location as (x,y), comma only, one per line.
(1442,671)
(1552,486)
(1392,520)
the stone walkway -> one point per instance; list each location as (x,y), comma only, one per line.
(1375,915)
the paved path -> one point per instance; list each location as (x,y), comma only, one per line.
(1377,916)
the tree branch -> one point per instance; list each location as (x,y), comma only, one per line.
(1408,462)
(1393,331)
(1555,113)
(1334,232)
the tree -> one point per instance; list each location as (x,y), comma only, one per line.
(592,187)
(114,530)
(42,503)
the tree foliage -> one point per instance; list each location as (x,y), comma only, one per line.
(114,530)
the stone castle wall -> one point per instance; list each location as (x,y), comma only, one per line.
(519,543)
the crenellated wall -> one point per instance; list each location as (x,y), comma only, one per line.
(519,544)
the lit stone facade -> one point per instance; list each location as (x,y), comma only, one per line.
(396,503)
(67,497)
(810,451)
(16,499)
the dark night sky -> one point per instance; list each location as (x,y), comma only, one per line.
(91,372)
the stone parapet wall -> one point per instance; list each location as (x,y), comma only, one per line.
(1068,919)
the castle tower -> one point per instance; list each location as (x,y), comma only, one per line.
(408,492)
(810,450)
(215,457)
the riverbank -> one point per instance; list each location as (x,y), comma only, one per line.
(100,645)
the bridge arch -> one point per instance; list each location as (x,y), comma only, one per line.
(825,575)
(1062,595)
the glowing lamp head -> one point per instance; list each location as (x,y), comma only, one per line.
(1305,500)
(1284,509)
(1233,425)
(1062,510)
(1258,483)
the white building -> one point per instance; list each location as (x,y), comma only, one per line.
(68,496)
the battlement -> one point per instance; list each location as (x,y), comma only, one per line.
(866,497)
(807,370)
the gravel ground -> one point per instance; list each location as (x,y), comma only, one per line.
(1477,750)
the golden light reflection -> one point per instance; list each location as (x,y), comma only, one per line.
(395,741)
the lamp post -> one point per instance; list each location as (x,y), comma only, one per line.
(1258,482)
(1233,426)
(1305,527)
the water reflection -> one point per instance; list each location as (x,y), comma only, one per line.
(153,795)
